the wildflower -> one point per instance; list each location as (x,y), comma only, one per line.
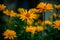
(49,7)
(29,16)
(30,29)
(29,21)
(56,15)
(9,34)
(56,24)
(46,22)
(2,7)
(39,28)
(45,6)
(10,13)
(34,10)
(41,5)
(57,6)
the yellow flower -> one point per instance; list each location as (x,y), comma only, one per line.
(57,6)
(30,29)
(29,21)
(27,15)
(9,34)
(45,6)
(49,7)
(56,15)
(10,13)
(2,6)
(56,24)
(39,28)
(46,22)
(34,10)
(41,5)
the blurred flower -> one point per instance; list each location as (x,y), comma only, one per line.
(46,22)
(9,34)
(29,22)
(56,15)
(34,10)
(45,6)
(39,28)
(49,7)
(41,5)
(29,16)
(57,6)
(10,13)
(30,29)
(56,24)
(2,6)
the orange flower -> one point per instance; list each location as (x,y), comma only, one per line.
(46,22)
(2,6)
(56,24)
(9,34)
(39,28)
(56,15)
(30,29)
(10,13)
(57,6)
(29,16)
(41,5)
(45,6)
(49,7)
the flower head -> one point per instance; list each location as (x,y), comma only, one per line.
(10,13)
(30,29)
(27,15)
(41,5)
(56,15)
(49,7)
(57,6)
(46,22)
(56,24)
(2,6)
(9,34)
(45,6)
(39,28)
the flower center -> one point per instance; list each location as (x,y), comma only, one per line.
(27,15)
(9,12)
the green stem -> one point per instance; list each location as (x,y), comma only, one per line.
(32,36)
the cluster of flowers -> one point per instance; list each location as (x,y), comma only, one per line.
(29,17)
